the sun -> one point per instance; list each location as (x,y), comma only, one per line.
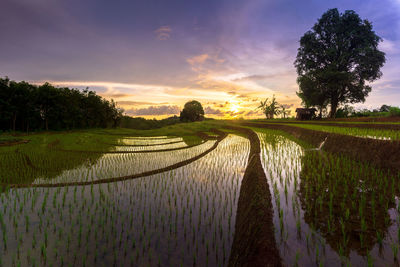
(234,108)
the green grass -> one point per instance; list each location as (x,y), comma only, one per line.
(361,132)
(321,121)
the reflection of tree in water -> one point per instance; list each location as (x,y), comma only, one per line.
(347,201)
(22,167)
(47,160)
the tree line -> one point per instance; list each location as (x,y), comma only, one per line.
(29,107)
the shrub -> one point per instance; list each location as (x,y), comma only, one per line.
(394,111)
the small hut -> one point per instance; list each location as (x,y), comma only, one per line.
(305,113)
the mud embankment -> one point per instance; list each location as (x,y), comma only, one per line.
(254,240)
(13,142)
(160,144)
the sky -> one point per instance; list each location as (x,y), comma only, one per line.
(152,56)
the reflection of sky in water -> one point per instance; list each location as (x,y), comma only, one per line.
(172,218)
(116,165)
(281,159)
(154,141)
(152,147)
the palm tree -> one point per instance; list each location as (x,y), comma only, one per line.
(285,111)
(269,108)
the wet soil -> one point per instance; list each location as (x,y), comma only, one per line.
(167,143)
(13,142)
(254,240)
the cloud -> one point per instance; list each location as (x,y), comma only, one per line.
(115,95)
(254,113)
(251,78)
(389,47)
(138,103)
(258,77)
(154,110)
(211,111)
(163,33)
(200,59)
(287,106)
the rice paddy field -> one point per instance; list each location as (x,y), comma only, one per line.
(172,197)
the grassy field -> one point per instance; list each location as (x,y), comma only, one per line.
(328,208)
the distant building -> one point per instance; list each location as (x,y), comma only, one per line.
(305,113)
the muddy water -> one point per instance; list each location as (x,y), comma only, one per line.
(183,217)
(328,210)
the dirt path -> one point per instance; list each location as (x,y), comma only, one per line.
(124,178)
(254,240)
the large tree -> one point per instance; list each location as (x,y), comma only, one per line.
(192,111)
(337,59)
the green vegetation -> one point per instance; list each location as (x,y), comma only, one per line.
(192,111)
(337,59)
(48,155)
(329,208)
(273,108)
(180,217)
(361,132)
(27,107)
(143,124)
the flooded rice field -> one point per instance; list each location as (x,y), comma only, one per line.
(182,217)
(330,210)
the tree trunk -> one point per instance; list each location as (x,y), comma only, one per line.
(14,120)
(334,105)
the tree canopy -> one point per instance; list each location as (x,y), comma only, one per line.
(27,107)
(192,111)
(336,59)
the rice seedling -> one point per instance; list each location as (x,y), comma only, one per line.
(344,203)
(200,197)
(361,132)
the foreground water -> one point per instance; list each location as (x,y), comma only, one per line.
(178,218)
(329,210)
(122,164)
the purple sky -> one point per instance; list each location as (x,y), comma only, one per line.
(153,56)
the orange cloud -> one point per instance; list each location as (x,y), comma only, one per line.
(154,110)
(200,59)
(163,33)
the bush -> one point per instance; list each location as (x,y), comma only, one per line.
(394,111)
